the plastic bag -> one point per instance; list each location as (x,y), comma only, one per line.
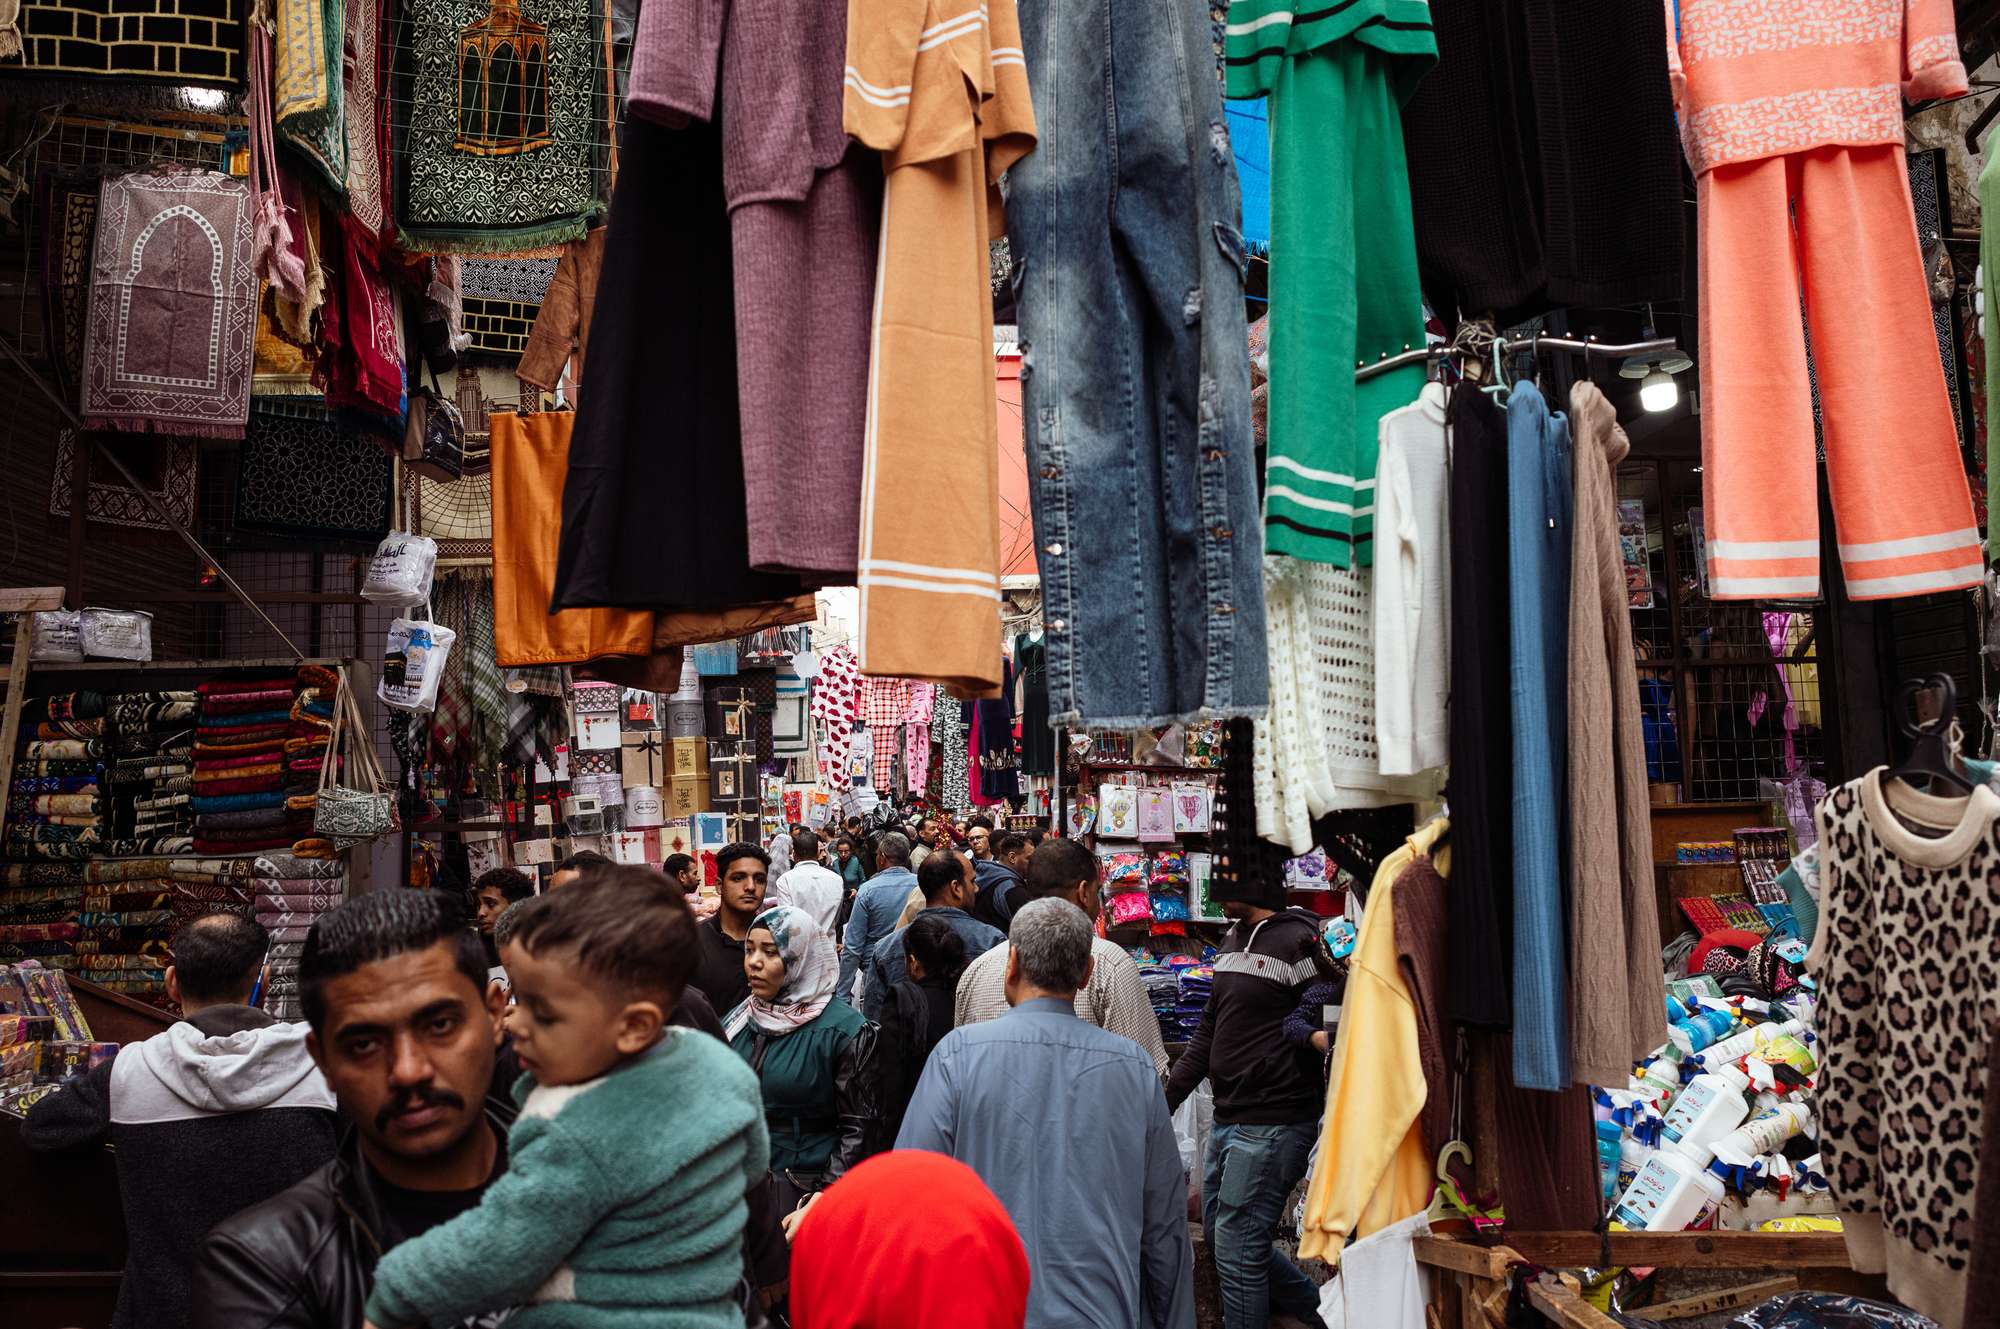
(116,634)
(1124,870)
(1828,1310)
(400,572)
(1131,907)
(413,664)
(1192,1120)
(58,637)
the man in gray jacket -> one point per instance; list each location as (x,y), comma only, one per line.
(217,1113)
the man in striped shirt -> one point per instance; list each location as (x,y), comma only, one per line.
(1115,997)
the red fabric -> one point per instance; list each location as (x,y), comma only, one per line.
(1735,941)
(909,1240)
(240,703)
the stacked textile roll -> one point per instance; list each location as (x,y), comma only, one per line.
(118,918)
(148,773)
(53,804)
(292,893)
(239,766)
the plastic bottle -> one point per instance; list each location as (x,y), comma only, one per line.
(1714,1104)
(1670,1191)
(1610,1137)
(1766,1132)
(1700,1030)
(1744,1042)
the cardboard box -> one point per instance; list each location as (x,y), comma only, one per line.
(729,714)
(732,774)
(687,756)
(686,795)
(643,759)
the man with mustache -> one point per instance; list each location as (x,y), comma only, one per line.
(405,1029)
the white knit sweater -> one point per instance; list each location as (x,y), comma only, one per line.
(1316,749)
(1412,587)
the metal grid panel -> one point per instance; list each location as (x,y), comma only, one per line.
(82,140)
(1730,692)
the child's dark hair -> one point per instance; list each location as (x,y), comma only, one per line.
(932,943)
(630,927)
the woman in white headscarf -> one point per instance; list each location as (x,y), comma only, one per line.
(816,1057)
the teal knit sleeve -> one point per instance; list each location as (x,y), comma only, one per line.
(527,1225)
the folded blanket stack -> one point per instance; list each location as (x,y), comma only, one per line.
(238,798)
(54,807)
(149,768)
(113,921)
(292,893)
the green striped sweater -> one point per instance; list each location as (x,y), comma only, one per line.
(1262,33)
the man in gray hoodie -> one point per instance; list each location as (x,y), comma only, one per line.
(219,1112)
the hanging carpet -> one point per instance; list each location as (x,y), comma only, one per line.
(502,144)
(301,477)
(173,306)
(197,42)
(67,216)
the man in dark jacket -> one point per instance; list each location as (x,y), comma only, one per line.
(215,1114)
(405,1028)
(1268,1098)
(1002,889)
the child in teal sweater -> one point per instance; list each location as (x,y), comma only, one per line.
(623,1199)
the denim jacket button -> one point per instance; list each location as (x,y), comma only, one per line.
(1225,609)
(1054,549)
(1058,624)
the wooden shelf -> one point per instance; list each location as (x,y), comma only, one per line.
(179,666)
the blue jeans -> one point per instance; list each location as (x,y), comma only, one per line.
(1124,226)
(1249,1173)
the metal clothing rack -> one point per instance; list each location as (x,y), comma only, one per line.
(1503,346)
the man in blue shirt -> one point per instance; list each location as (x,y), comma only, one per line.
(1091,1175)
(947,885)
(877,906)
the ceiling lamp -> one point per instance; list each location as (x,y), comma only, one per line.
(1655,371)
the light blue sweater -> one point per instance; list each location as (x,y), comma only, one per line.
(622,1205)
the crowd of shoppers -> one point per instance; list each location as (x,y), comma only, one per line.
(804,1108)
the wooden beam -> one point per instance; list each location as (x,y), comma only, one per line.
(10,711)
(1465,1257)
(1564,1307)
(1684,1250)
(1708,1303)
(30,599)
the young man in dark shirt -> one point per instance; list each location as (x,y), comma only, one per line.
(743,872)
(1268,1098)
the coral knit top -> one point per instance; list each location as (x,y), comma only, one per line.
(1763,78)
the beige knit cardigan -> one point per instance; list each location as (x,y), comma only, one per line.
(1617,993)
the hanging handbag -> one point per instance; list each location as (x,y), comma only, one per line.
(352,814)
(434,437)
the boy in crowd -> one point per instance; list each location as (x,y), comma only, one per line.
(592,1224)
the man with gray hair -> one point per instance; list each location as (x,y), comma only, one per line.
(1068,1125)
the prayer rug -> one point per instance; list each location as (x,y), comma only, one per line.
(503,146)
(173,306)
(301,477)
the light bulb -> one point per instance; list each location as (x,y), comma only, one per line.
(1658,391)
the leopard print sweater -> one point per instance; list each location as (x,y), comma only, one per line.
(1908,961)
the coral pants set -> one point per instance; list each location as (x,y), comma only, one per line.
(1792,120)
